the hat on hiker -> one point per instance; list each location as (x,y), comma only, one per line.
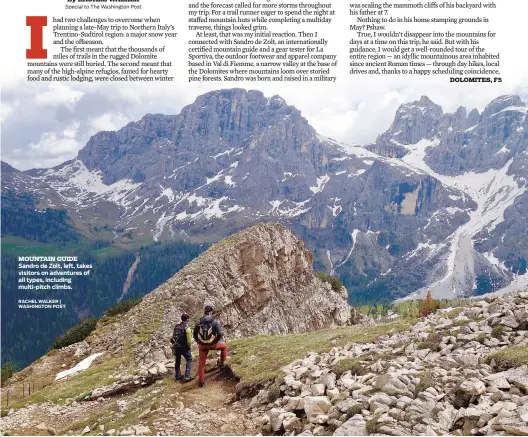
(208,309)
(184,317)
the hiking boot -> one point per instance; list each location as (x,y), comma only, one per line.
(219,364)
(187,379)
(201,383)
(178,378)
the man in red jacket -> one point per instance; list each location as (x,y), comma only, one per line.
(208,334)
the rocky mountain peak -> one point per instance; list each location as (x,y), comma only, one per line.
(6,168)
(500,103)
(424,106)
(473,117)
(214,124)
(413,122)
(260,281)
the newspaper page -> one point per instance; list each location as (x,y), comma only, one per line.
(264,217)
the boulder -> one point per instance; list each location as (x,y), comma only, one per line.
(261,398)
(315,406)
(141,429)
(510,322)
(330,380)
(291,423)
(354,426)
(392,385)
(162,369)
(473,386)
(381,401)
(43,427)
(318,389)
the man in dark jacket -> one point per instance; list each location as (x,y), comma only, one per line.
(208,334)
(182,341)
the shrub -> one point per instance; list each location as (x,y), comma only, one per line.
(497,331)
(429,305)
(354,409)
(334,282)
(76,334)
(372,426)
(426,345)
(433,342)
(482,337)
(274,390)
(352,364)
(509,357)
(8,369)
(122,307)
(462,399)
(426,381)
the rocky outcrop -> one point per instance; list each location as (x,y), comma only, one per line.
(260,281)
(457,372)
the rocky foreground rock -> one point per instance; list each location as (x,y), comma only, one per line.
(458,372)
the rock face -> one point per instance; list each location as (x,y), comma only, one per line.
(450,374)
(486,157)
(260,281)
(439,201)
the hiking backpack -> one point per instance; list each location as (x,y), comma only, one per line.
(179,338)
(206,333)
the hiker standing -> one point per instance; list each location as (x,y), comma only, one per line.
(208,334)
(182,341)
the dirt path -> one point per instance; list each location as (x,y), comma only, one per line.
(209,410)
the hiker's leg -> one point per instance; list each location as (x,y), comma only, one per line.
(202,358)
(177,374)
(188,364)
(222,347)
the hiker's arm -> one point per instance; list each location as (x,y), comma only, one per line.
(195,334)
(219,330)
(189,338)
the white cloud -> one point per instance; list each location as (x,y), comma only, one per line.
(54,148)
(109,122)
(5,111)
(58,94)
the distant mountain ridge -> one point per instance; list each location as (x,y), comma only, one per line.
(439,200)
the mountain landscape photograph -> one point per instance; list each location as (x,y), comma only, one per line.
(363,289)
